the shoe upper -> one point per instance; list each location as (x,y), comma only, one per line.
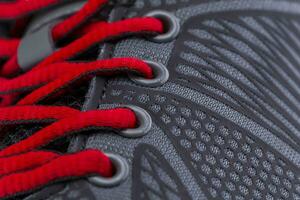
(226,123)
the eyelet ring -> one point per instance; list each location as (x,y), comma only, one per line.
(122,172)
(161,75)
(144,120)
(171,22)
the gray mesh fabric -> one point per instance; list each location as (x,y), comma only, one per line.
(226,124)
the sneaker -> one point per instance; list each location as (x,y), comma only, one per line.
(150,99)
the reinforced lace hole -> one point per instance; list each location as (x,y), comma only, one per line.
(161,75)
(122,171)
(171,24)
(144,123)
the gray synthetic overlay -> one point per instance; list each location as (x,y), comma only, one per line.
(161,52)
(126,147)
(232,115)
(239,5)
(226,107)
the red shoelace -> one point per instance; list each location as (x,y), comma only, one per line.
(23,167)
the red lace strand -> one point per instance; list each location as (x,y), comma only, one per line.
(10,68)
(60,83)
(30,114)
(25,161)
(23,169)
(19,8)
(57,71)
(8,47)
(90,162)
(119,118)
(63,28)
(105,31)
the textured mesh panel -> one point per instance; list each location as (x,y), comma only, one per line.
(227,63)
(80,192)
(158,180)
(73,98)
(245,67)
(15,134)
(227,161)
(226,125)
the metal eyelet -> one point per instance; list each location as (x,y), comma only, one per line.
(161,75)
(144,120)
(171,24)
(122,172)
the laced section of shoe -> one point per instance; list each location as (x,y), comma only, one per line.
(24,167)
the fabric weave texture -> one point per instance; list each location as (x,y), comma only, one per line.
(227,123)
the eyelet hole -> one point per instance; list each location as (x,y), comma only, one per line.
(171,26)
(144,123)
(121,173)
(160,72)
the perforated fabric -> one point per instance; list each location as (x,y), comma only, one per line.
(226,125)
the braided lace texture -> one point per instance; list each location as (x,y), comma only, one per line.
(23,167)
